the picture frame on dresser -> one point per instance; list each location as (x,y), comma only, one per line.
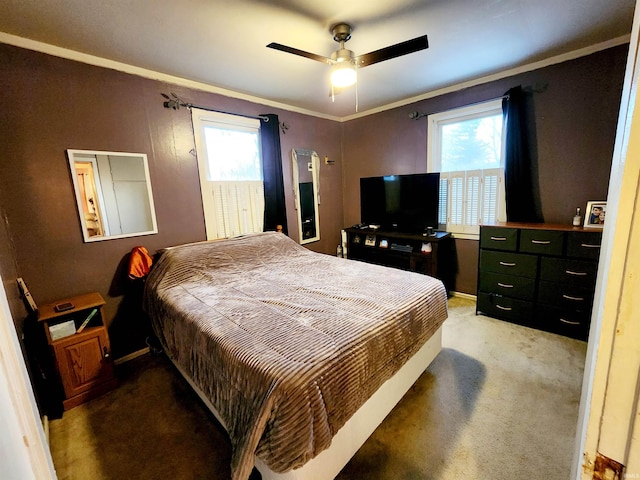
(595,214)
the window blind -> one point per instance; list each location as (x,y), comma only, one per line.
(470,198)
(239,207)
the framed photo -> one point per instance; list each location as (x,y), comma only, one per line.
(595,214)
(370,241)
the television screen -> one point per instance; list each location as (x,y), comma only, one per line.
(406,203)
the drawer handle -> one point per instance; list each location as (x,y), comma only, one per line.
(577,299)
(589,245)
(541,242)
(569,322)
(580,274)
(106,355)
(504,285)
(507,309)
(507,264)
(499,239)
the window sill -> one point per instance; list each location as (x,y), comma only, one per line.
(466,236)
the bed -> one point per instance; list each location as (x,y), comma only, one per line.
(299,355)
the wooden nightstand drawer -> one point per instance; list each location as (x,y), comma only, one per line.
(581,273)
(83,361)
(509,263)
(542,242)
(498,238)
(508,285)
(517,311)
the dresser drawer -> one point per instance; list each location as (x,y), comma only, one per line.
(565,295)
(580,273)
(574,324)
(509,263)
(517,311)
(542,242)
(499,238)
(584,244)
(522,288)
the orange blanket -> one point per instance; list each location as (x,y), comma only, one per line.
(139,263)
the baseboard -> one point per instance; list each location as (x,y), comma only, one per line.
(131,356)
(468,296)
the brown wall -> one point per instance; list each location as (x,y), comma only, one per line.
(574,115)
(54,104)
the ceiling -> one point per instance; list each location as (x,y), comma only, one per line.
(223,43)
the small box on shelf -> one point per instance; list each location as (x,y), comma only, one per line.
(62,329)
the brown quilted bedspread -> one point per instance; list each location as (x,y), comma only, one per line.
(286,343)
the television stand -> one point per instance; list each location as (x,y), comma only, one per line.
(427,254)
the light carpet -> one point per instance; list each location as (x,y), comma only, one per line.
(499,402)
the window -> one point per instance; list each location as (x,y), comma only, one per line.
(466,146)
(230,169)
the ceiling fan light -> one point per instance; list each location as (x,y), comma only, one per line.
(343,74)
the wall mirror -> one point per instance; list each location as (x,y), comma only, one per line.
(306,168)
(113,194)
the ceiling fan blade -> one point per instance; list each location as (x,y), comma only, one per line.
(302,53)
(393,51)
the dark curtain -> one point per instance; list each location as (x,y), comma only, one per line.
(275,211)
(520,195)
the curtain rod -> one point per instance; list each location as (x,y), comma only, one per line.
(418,115)
(176,102)
(537,88)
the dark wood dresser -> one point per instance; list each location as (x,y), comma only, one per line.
(427,254)
(539,275)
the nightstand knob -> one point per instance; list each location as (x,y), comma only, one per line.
(106,353)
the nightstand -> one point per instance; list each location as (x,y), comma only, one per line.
(83,358)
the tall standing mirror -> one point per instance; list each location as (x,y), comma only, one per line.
(306,168)
(113,194)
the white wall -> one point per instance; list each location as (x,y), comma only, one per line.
(24,454)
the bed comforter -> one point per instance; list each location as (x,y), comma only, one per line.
(286,343)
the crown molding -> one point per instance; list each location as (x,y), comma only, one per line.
(150,74)
(153,75)
(583,52)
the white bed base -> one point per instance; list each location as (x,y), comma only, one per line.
(353,434)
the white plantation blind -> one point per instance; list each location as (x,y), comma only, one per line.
(456,199)
(470,199)
(491,195)
(239,208)
(442,203)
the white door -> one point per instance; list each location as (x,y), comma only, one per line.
(609,423)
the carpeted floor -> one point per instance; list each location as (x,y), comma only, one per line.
(499,402)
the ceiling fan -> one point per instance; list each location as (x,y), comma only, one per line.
(343,61)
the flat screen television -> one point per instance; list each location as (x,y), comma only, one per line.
(406,203)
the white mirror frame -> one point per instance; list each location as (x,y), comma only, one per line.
(314,161)
(143,207)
